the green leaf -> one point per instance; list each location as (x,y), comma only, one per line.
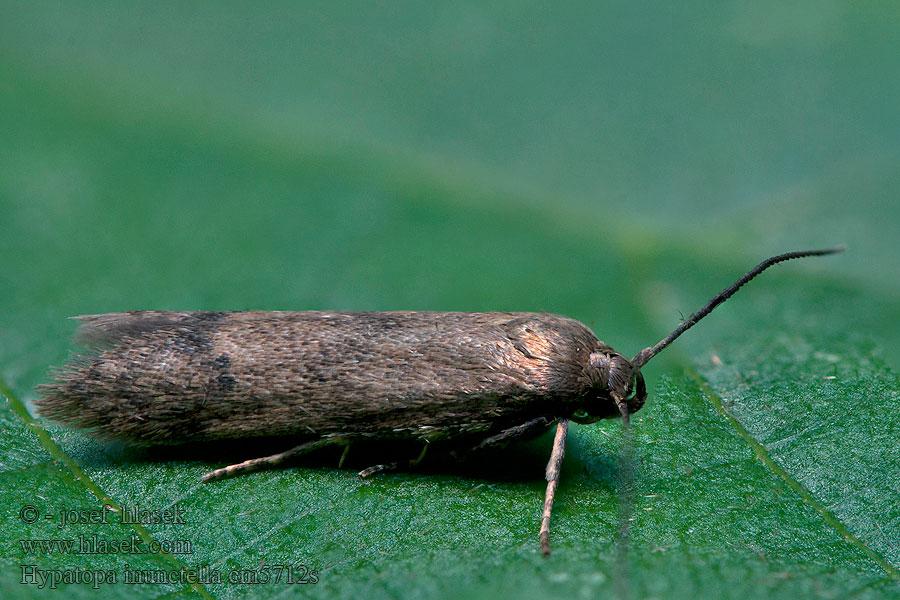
(612,163)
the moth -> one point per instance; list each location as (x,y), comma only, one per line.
(451,382)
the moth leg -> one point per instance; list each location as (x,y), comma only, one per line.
(378,469)
(553,469)
(531,428)
(344,456)
(419,458)
(267,461)
(393,466)
(623,410)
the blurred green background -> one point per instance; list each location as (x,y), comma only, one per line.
(617,163)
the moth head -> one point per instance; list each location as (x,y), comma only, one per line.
(620,381)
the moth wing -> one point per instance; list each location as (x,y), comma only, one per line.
(107,329)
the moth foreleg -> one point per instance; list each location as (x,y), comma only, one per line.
(268,461)
(553,469)
(530,429)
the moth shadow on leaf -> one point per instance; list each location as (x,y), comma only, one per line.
(518,462)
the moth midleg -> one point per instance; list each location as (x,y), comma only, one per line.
(268,461)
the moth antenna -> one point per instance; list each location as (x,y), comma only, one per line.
(641,358)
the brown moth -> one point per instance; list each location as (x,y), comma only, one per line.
(454,381)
